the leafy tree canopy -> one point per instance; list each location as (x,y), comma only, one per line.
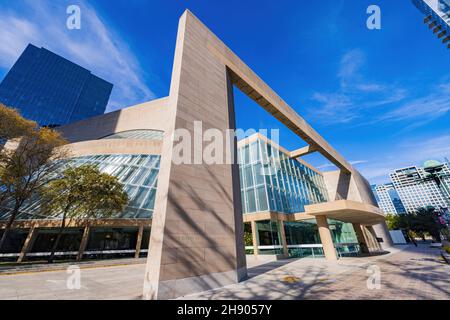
(12,125)
(84,192)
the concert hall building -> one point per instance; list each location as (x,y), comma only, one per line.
(199,221)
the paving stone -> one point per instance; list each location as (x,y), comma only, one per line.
(406,273)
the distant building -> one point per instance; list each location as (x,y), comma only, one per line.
(52,90)
(437,16)
(415,190)
(388,199)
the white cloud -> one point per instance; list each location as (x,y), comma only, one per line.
(413,152)
(359,101)
(329,166)
(96,46)
(355,162)
(350,64)
(326,166)
(355,93)
(427,108)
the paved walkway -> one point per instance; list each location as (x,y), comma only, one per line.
(406,273)
(411,273)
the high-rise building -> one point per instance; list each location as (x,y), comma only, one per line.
(52,90)
(437,16)
(416,189)
(388,199)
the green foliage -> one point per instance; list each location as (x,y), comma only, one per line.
(248,239)
(27,162)
(12,125)
(423,221)
(393,221)
(84,192)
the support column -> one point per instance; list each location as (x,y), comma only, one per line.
(325,238)
(382,231)
(372,243)
(374,237)
(255,239)
(197,238)
(283,238)
(83,243)
(27,244)
(361,238)
(139,242)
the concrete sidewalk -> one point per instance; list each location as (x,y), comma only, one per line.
(62,266)
(406,273)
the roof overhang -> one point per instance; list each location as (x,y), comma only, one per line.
(347,211)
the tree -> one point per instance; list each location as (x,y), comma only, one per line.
(397,221)
(392,221)
(82,193)
(13,125)
(26,165)
(425,220)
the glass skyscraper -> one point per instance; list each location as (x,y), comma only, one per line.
(437,16)
(52,90)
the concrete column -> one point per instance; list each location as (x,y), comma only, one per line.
(83,243)
(139,242)
(361,238)
(376,244)
(283,238)
(382,231)
(27,244)
(255,238)
(325,238)
(371,237)
(197,238)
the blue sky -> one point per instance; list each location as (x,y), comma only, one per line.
(380,97)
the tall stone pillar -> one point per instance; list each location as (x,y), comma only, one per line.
(255,238)
(197,238)
(382,231)
(325,238)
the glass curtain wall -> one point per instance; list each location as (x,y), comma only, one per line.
(344,238)
(269,237)
(137,173)
(270,181)
(303,239)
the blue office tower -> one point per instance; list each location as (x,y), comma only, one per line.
(52,90)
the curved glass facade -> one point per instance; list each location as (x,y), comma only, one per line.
(270,181)
(137,173)
(137,134)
